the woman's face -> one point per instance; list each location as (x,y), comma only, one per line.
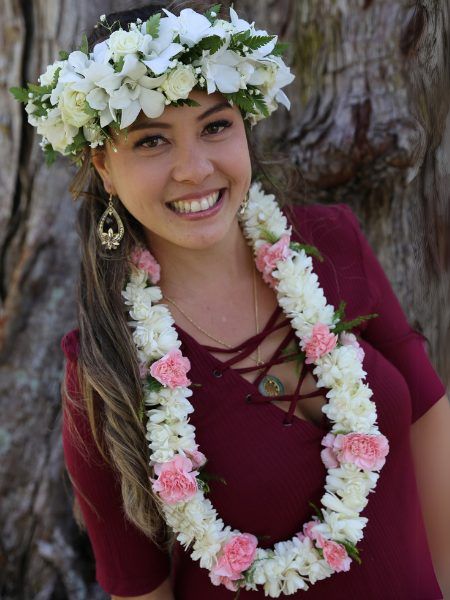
(183,175)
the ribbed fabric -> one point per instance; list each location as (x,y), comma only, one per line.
(273,471)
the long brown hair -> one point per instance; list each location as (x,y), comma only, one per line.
(108,370)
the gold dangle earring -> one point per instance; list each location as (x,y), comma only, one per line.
(110,239)
(244,205)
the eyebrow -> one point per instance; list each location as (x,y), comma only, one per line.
(160,125)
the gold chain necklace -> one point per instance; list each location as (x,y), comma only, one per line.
(255,299)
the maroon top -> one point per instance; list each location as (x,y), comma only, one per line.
(273,471)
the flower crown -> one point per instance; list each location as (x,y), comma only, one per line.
(154,64)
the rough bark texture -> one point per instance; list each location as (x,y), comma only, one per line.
(369,126)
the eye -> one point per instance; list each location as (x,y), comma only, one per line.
(213,128)
(151,140)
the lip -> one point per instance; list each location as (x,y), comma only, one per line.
(203,214)
(196,195)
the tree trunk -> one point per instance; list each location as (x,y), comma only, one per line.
(369,126)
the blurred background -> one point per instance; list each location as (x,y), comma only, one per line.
(369,126)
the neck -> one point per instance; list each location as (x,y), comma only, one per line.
(209,271)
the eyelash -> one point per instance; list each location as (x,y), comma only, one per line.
(222,123)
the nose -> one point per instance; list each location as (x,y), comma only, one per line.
(192,163)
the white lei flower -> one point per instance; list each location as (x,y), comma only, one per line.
(327,543)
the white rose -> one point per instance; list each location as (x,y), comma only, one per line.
(179,82)
(125,42)
(72,106)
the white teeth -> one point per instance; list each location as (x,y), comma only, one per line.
(185,206)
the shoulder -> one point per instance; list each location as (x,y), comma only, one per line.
(322,221)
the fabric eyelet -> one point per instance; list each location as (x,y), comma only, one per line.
(287,423)
(248,398)
(217,373)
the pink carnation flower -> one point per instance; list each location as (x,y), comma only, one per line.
(336,556)
(328,455)
(309,532)
(321,342)
(268,255)
(171,369)
(144,260)
(349,339)
(367,451)
(176,481)
(237,555)
(197,458)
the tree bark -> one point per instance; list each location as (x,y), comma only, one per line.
(369,126)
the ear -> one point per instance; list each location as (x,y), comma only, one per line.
(100,162)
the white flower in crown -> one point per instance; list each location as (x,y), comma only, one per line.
(122,42)
(191,26)
(58,133)
(136,92)
(47,77)
(179,82)
(220,71)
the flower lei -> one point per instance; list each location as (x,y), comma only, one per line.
(354,450)
(155,63)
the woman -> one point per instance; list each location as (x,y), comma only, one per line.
(243,434)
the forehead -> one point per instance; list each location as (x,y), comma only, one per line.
(207,103)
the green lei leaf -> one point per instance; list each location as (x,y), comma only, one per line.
(215,8)
(261,105)
(317,511)
(186,101)
(352,551)
(79,141)
(118,65)
(40,90)
(348,325)
(243,100)
(20,94)
(269,236)
(50,155)
(213,43)
(63,55)
(152,25)
(308,249)
(84,45)
(280,48)
(152,384)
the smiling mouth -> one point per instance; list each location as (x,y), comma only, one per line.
(195,206)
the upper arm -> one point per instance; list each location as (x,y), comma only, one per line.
(430,444)
(127,562)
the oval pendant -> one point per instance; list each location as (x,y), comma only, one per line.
(271,386)
(110,239)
